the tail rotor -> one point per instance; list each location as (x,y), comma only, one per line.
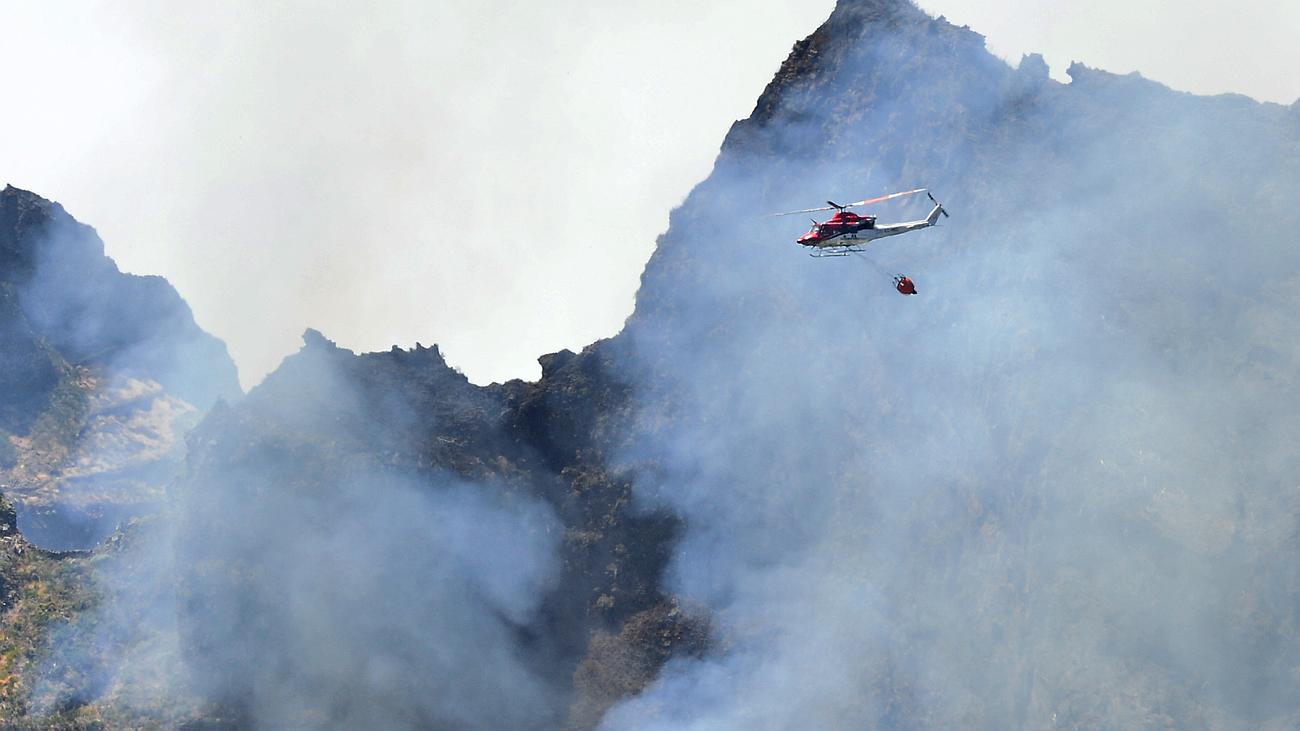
(937,203)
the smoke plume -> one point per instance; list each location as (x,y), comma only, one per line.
(1048,491)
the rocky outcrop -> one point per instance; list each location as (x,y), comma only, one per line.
(619,666)
(64,292)
(328,420)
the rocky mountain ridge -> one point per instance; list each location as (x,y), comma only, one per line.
(1052,492)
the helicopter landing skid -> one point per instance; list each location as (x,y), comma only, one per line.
(837,251)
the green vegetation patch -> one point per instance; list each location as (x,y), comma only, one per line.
(41,592)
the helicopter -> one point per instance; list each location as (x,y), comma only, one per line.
(847,232)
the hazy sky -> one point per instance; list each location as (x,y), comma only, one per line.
(489,176)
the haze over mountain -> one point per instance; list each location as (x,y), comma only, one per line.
(245,150)
(101,373)
(1055,490)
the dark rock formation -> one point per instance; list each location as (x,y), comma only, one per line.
(328,421)
(63,292)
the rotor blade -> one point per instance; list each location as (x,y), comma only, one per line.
(851,205)
(806,210)
(869,201)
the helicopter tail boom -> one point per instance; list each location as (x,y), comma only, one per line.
(893,229)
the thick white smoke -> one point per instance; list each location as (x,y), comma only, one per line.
(303,576)
(1042,493)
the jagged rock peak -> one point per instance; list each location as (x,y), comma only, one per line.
(313,339)
(30,203)
(551,363)
(28,221)
(1033,66)
(430,355)
(899,9)
(819,59)
(317,346)
(64,292)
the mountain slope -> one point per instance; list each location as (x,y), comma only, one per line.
(100,374)
(501,537)
(1052,491)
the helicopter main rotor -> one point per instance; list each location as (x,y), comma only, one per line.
(836,206)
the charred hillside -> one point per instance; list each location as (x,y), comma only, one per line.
(380,448)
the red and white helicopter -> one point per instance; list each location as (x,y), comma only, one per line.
(846,232)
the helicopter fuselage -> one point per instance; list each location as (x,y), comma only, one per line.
(847,230)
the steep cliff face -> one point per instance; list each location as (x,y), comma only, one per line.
(62,289)
(100,374)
